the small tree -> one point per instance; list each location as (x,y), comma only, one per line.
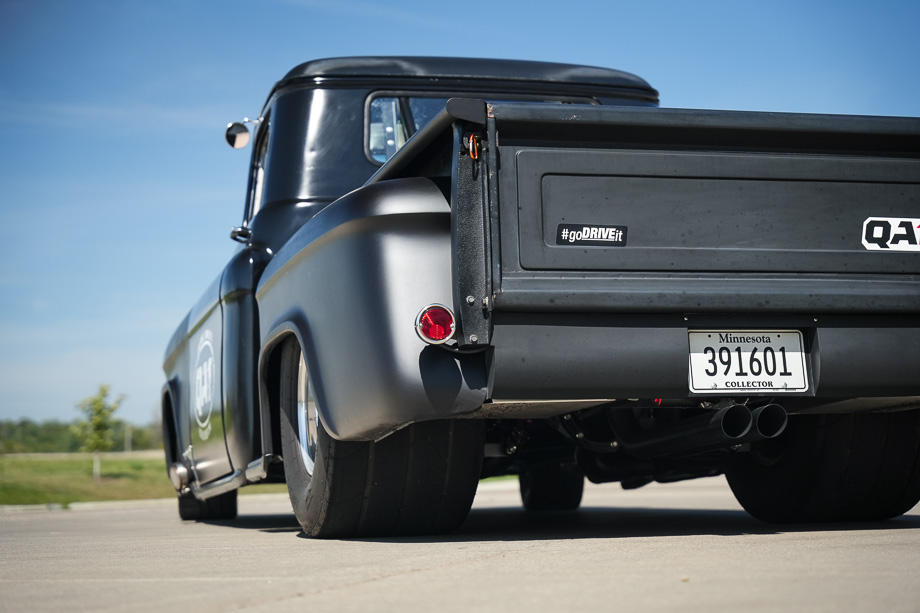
(97,427)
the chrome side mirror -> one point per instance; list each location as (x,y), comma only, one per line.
(237,135)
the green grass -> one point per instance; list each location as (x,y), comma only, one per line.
(64,478)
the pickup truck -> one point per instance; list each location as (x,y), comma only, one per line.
(451,269)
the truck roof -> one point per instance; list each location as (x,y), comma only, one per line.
(465,68)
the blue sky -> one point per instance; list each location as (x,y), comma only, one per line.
(118,192)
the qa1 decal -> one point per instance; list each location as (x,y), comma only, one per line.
(203,384)
(891,234)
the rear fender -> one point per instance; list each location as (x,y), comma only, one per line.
(349,285)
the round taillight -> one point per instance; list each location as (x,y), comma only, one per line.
(435,324)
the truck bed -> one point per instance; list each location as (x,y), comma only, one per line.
(589,241)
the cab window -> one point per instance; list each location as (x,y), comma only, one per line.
(393,118)
(260,161)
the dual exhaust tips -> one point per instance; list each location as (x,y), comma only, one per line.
(732,425)
(737,421)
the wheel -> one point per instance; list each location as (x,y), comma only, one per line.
(418,480)
(832,468)
(218,507)
(552,487)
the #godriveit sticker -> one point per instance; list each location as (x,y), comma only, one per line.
(579,235)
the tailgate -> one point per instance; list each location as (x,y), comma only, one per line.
(631,210)
(619,209)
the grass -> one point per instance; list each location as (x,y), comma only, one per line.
(63,478)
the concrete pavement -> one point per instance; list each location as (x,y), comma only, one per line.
(684,546)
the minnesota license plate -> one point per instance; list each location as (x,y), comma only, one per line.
(747,362)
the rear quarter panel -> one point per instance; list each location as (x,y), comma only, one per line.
(349,285)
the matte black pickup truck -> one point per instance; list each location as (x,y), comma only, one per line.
(452,269)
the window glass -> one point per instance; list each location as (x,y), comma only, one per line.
(424,109)
(393,119)
(259,167)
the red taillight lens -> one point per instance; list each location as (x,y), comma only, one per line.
(435,324)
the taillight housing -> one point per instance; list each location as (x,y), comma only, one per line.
(435,324)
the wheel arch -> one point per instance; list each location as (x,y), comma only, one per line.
(270,384)
(168,424)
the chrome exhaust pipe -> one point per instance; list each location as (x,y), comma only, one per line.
(722,428)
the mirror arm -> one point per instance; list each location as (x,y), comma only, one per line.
(241,234)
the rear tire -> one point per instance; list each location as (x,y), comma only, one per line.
(418,480)
(219,507)
(551,487)
(852,467)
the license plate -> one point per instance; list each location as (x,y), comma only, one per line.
(747,362)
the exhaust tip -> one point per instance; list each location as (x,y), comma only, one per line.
(770,420)
(736,421)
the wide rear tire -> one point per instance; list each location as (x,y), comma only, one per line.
(419,480)
(850,467)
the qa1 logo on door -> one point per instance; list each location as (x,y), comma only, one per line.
(203,384)
(891,234)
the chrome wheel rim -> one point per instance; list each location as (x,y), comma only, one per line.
(307,417)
